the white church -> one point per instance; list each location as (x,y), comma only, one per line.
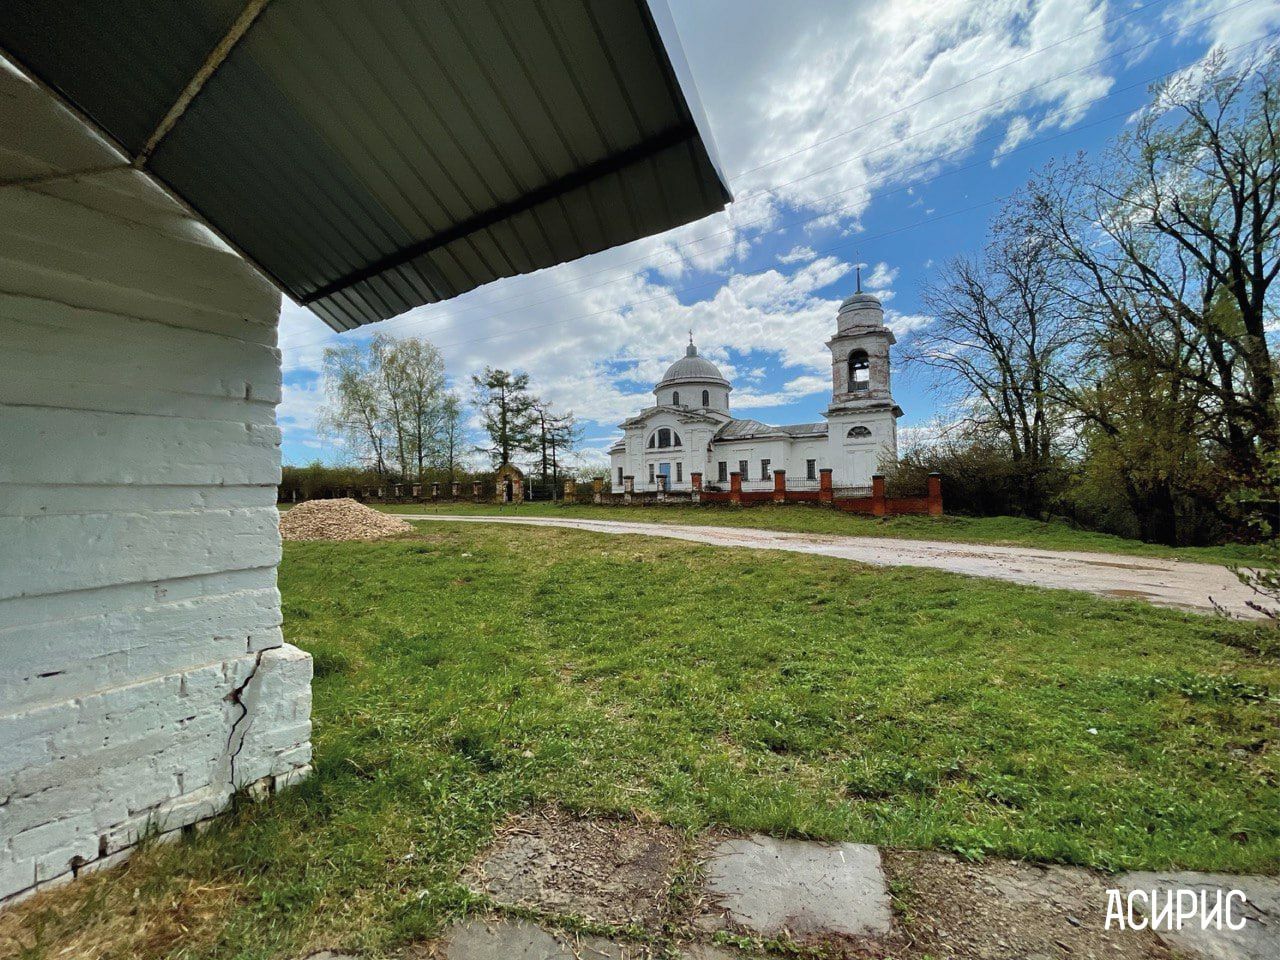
(689,429)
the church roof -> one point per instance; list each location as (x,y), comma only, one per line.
(692,367)
(748,429)
(682,414)
(859,299)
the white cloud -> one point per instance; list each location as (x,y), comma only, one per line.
(1018,132)
(793,390)
(1233,23)
(797,254)
(903,323)
(597,333)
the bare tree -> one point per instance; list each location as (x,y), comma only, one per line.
(996,342)
(564,436)
(451,434)
(353,412)
(1173,245)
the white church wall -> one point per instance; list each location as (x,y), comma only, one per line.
(854,460)
(143,674)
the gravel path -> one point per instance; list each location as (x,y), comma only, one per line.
(1166,583)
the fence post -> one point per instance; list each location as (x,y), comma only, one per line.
(935,494)
(435,492)
(570,491)
(878,507)
(695,482)
(662,486)
(735,488)
(825,491)
(779,486)
(475,490)
(597,490)
(456,489)
(628,488)
(295,494)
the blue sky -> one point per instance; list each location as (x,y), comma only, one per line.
(875,132)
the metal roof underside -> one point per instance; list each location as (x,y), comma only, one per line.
(374,156)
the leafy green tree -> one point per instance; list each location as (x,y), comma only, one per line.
(508,413)
(413,383)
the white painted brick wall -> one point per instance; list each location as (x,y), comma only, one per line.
(143,674)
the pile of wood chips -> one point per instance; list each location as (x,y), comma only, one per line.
(341,519)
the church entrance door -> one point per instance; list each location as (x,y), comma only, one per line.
(508,492)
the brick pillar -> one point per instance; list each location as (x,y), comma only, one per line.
(416,491)
(570,491)
(628,488)
(597,490)
(735,487)
(695,483)
(878,507)
(825,492)
(475,489)
(662,486)
(935,494)
(295,493)
(382,493)
(779,486)
(456,489)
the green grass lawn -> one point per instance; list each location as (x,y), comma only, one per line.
(464,673)
(1011,531)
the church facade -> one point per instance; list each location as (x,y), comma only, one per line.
(689,429)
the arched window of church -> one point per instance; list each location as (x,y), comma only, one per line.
(859,370)
(675,439)
(653,440)
(675,398)
(706,398)
(664,438)
(859,431)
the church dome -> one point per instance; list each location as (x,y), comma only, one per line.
(858,301)
(858,311)
(693,367)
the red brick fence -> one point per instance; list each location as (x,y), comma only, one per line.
(875,504)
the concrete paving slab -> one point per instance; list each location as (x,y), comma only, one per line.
(524,940)
(1259,939)
(712,951)
(796,888)
(1009,910)
(608,871)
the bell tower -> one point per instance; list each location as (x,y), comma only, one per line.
(860,351)
(862,418)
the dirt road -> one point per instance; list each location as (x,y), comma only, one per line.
(1167,583)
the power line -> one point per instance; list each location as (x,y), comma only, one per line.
(822,213)
(395,323)
(861,239)
(980,76)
